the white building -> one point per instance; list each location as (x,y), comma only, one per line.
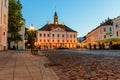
(3,24)
(56,35)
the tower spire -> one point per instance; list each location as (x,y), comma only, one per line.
(55,13)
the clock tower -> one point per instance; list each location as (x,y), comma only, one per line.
(55,19)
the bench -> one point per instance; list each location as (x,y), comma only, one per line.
(34,51)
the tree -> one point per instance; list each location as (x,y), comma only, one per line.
(30,35)
(14,20)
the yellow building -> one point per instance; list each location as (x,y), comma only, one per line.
(3,24)
(56,35)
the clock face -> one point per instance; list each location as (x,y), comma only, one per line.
(56,22)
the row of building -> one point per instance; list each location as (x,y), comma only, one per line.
(106,35)
(55,35)
(50,36)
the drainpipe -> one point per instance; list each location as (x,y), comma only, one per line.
(1,12)
(1,22)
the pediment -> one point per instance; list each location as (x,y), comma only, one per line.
(58,29)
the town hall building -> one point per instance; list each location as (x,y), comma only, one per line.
(53,36)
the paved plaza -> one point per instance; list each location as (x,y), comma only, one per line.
(87,64)
(21,65)
(66,65)
(99,52)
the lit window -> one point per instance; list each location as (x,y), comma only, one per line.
(74,41)
(44,40)
(40,40)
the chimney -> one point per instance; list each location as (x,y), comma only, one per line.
(48,22)
(62,23)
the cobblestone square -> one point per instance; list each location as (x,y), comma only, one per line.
(80,65)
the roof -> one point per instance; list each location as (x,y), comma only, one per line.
(49,27)
(108,22)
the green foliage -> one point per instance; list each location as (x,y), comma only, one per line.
(14,20)
(30,36)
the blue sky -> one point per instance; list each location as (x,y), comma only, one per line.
(80,15)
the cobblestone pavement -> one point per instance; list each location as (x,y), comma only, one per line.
(77,65)
(99,52)
(21,65)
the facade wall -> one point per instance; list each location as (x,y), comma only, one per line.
(3,24)
(56,39)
